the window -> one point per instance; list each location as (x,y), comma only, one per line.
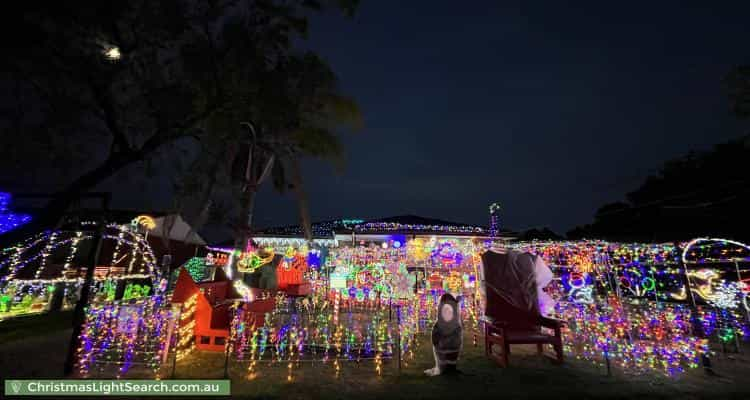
(205,339)
(219,340)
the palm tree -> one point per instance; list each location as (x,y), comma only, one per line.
(300,116)
(300,120)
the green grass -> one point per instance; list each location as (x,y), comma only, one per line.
(34,325)
(529,376)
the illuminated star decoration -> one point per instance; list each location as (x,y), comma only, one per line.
(9,220)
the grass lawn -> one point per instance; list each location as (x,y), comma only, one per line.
(34,325)
(42,354)
(529,376)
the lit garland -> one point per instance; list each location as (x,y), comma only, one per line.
(705,250)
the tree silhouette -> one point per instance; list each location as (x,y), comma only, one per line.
(100,86)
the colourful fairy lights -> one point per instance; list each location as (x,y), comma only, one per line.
(53,258)
(622,303)
(319,334)
(124,335)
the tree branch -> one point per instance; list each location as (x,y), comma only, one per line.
(105,101)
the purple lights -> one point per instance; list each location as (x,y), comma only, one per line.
(9,220)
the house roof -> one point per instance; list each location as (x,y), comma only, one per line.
(321,229)
(178,231)
(405,224)
(418,224)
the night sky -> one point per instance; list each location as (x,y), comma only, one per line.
(550,110)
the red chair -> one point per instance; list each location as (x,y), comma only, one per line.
(511,325)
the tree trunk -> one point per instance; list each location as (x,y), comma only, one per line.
(244,230)
(202,215)
(251,184)
(302,200)
(206,206)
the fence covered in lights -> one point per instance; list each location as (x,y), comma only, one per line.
(121,336)
(316,333)
(641,307)
(649,306)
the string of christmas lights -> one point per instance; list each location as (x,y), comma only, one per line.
(124,334)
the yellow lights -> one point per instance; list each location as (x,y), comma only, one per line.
(186,343)
(417,250)
(378,364)
(251,261)
(145,221)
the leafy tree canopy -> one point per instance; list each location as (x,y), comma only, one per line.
(92,87)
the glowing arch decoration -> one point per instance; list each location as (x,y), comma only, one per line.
(132,255)
(708,283)
(715,250)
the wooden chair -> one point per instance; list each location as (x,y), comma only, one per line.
(511,325)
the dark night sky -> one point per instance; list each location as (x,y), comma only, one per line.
(548,109)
